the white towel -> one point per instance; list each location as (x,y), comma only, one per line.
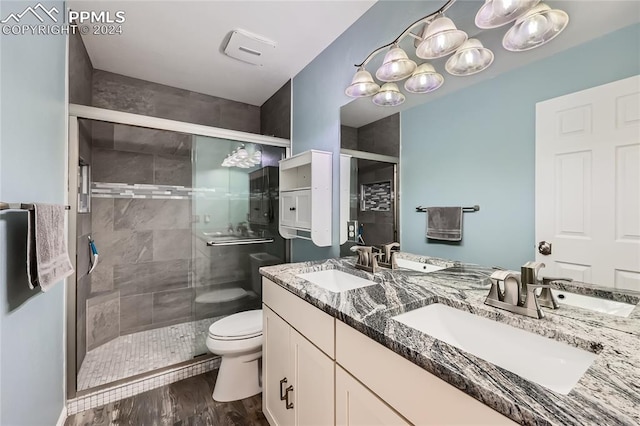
(47,258)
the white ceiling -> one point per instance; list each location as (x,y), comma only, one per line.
(588,19)
(180,43)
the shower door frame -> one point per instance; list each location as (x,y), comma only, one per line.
(117,117)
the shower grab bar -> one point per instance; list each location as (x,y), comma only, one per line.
(21,206)
(239,242)
(475,208)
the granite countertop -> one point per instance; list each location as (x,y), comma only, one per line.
(607,394)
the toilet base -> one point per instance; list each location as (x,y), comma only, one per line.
(238,378)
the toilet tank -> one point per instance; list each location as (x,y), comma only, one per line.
(257,261)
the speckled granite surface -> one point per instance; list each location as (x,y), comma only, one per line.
(608,393)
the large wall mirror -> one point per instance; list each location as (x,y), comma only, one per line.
(473,142)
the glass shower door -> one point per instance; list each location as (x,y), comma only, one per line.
(235,226)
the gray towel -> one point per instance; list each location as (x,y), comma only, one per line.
(47,258)
(444,223)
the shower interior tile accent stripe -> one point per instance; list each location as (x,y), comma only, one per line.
(168,192)
(376,196)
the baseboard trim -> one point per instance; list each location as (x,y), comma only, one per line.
(63,416)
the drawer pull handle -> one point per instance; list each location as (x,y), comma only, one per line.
(282,394)
(289,404)
(292,208)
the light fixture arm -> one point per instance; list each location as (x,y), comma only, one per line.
(426,19)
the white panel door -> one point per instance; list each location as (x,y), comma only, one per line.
(588,184)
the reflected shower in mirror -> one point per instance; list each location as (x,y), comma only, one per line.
(369,182)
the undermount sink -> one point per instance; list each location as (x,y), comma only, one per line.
(596,304)
(417,266)
(335,281)
(555,365)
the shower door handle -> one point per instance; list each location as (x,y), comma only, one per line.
(283,396)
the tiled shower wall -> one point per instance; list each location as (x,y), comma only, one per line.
(142,280)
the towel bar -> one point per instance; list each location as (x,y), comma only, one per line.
(475,208)
(21,206)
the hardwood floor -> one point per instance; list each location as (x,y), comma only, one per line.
(184,403)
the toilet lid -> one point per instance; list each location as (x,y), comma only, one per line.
(242,325)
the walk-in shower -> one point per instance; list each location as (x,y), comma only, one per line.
(181,222)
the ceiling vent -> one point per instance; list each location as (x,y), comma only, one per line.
(247,47)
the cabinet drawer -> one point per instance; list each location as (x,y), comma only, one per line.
(308,320)
(418,395)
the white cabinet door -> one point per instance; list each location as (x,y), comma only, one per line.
(303,209)
(358,406)
(296,209)
(276,358)
(314,383)
(588,184)
(288,209)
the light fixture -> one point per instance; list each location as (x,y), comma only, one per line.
(538,26)
(496,13)
(425,79)
(440,38)
(437,36)
(471,58)
(389,95)
(362,84)
(396,65)
(240,158)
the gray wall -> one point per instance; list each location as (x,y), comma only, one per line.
(120,93)
(32,158)
(381,137)
(275,113)
(80,72)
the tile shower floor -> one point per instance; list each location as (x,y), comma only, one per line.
(145,351)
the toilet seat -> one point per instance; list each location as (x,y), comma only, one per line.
(241,326)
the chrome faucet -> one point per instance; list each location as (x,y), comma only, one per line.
(518,291)
(388,258)
(367,258)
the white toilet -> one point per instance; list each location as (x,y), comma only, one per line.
(238,340)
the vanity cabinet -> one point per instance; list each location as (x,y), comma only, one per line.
(332,369)
(421,397)
(305,197)
(298,379)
